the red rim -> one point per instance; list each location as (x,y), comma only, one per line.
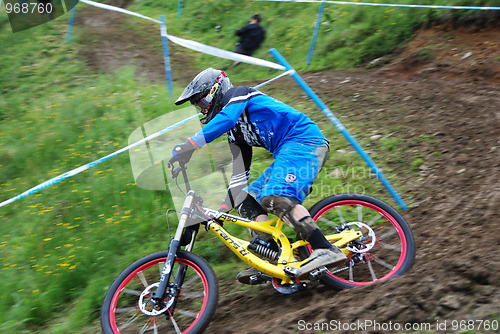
(146,266)
(385,215)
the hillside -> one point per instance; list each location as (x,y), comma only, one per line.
(444,86)
(457,193)
(438,97)
(453,98)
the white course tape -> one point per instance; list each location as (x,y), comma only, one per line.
(192,44)
(223,53)
(117,9)
(182,42)
(289,72)
(389,4)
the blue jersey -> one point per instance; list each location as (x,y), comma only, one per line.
(253,118)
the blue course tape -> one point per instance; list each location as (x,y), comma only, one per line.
(329,114)
(80,169)
(389,4)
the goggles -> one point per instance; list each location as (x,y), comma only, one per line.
(200,105)
(203,104)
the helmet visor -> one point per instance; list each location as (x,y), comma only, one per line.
(201,105)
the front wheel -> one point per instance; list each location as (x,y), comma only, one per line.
(125,307)
(386,250)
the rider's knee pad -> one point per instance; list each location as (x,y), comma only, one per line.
(248,207)
(282,207)
(305,227)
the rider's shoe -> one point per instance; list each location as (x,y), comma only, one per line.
(319,258)
(251,276)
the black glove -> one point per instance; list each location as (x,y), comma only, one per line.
(183,152)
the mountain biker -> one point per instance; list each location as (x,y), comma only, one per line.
(251,118)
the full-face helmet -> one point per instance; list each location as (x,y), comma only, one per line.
(206,92)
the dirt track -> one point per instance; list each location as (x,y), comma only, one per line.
(456,274)
(445,85)
(455,221)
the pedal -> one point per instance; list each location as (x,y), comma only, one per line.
(253,280)
(291,271)
(259,278)
(316,274)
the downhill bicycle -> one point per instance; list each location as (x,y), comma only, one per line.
(176,291)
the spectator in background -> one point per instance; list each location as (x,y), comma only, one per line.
(251,37)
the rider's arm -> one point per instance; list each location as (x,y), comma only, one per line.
(242,157)
(235,101)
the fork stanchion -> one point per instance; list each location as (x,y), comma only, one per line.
(340,127)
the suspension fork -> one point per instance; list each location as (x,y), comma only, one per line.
(181,271)
(159,294)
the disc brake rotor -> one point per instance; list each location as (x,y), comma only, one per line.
(368,234)
(148,306)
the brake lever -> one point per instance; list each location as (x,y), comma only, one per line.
(176,171)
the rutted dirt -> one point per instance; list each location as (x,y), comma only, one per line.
(444,86)
(455,217)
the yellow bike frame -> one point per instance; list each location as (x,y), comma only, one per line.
(274,228)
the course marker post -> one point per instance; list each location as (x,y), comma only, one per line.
(329,114)
(166,56)
(179,8)
(315,33)
(71,19)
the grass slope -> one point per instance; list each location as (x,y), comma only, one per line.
(62,247)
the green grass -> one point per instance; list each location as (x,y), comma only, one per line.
(62,247)
(348,36)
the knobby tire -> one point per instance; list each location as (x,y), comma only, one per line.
(394,250)
(193,309)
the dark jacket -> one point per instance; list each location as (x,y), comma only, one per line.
(251,36)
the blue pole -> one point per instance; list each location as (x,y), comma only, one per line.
(179,8)
(315,33)
(166,56)
(70,24)
(328,113)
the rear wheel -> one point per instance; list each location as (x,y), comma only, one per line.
(386,250)
(127,306)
